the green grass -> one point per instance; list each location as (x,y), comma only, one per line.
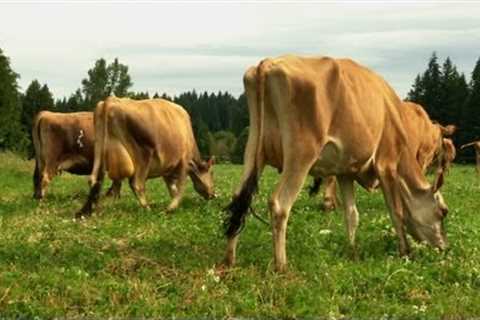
(129,262)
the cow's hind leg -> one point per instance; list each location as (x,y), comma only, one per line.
(350,209)
(330,197)
(46,176)
(115,188)
(137,182)
(282,200)
(477,157)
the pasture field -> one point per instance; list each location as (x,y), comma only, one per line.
(129,262)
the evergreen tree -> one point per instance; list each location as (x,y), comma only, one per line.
(76,103)
(433,91)
(240,117)
(61,105)
(164,96)
(240,145)
(11,134)
(417,93)
(139,95)
(471,115)
(36,99)
(454,91)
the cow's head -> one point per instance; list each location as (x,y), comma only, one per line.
(426,211)
(201,174)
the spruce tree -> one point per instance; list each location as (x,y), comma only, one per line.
(432,100)
(36,99)
(471,116)
(417,93)
(11,134)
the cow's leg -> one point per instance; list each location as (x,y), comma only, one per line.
(114,190)
(315,187)
(46,176)
(350,209)
(330,197)
(137,182)
(40,180)
(391,193)
(176,188)
(284,196)
(477,156)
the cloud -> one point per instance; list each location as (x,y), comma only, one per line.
(177,47)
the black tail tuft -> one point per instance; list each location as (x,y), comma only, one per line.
(93,197)
(37,183)
(315,187)
(238,208)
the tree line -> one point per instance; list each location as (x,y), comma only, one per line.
(220,120)
(449,98)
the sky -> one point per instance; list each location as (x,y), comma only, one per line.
(174,47)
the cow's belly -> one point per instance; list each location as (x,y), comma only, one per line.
(76,164)
(157,168)
(119,162)
(335,159)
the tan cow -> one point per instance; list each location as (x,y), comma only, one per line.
(63,142)
(325,116)
(426,138)
(145,139)
(476,146)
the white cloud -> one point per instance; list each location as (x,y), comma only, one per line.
(207,46)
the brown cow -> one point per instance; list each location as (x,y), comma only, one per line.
(476,145)
(425,137)
(63,142)
(325,116)
(145,139)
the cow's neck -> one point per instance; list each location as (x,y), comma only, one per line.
(196,158)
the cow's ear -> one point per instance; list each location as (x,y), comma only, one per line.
(211,162)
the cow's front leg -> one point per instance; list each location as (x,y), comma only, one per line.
(114,190)
(176,188)
(350,209)
(391,193)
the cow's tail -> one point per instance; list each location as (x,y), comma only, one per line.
(253,158)
(37,145)
(98,171)
(468,145)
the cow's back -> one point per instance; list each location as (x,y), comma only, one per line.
(66,140)
(135,126)
(340,104)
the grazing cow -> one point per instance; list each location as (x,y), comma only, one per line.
(426,138)
(63,142)
(325,116)
(145,139)
(476,145)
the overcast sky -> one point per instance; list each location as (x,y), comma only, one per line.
(175,47)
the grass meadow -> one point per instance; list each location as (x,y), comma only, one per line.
(128,262)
